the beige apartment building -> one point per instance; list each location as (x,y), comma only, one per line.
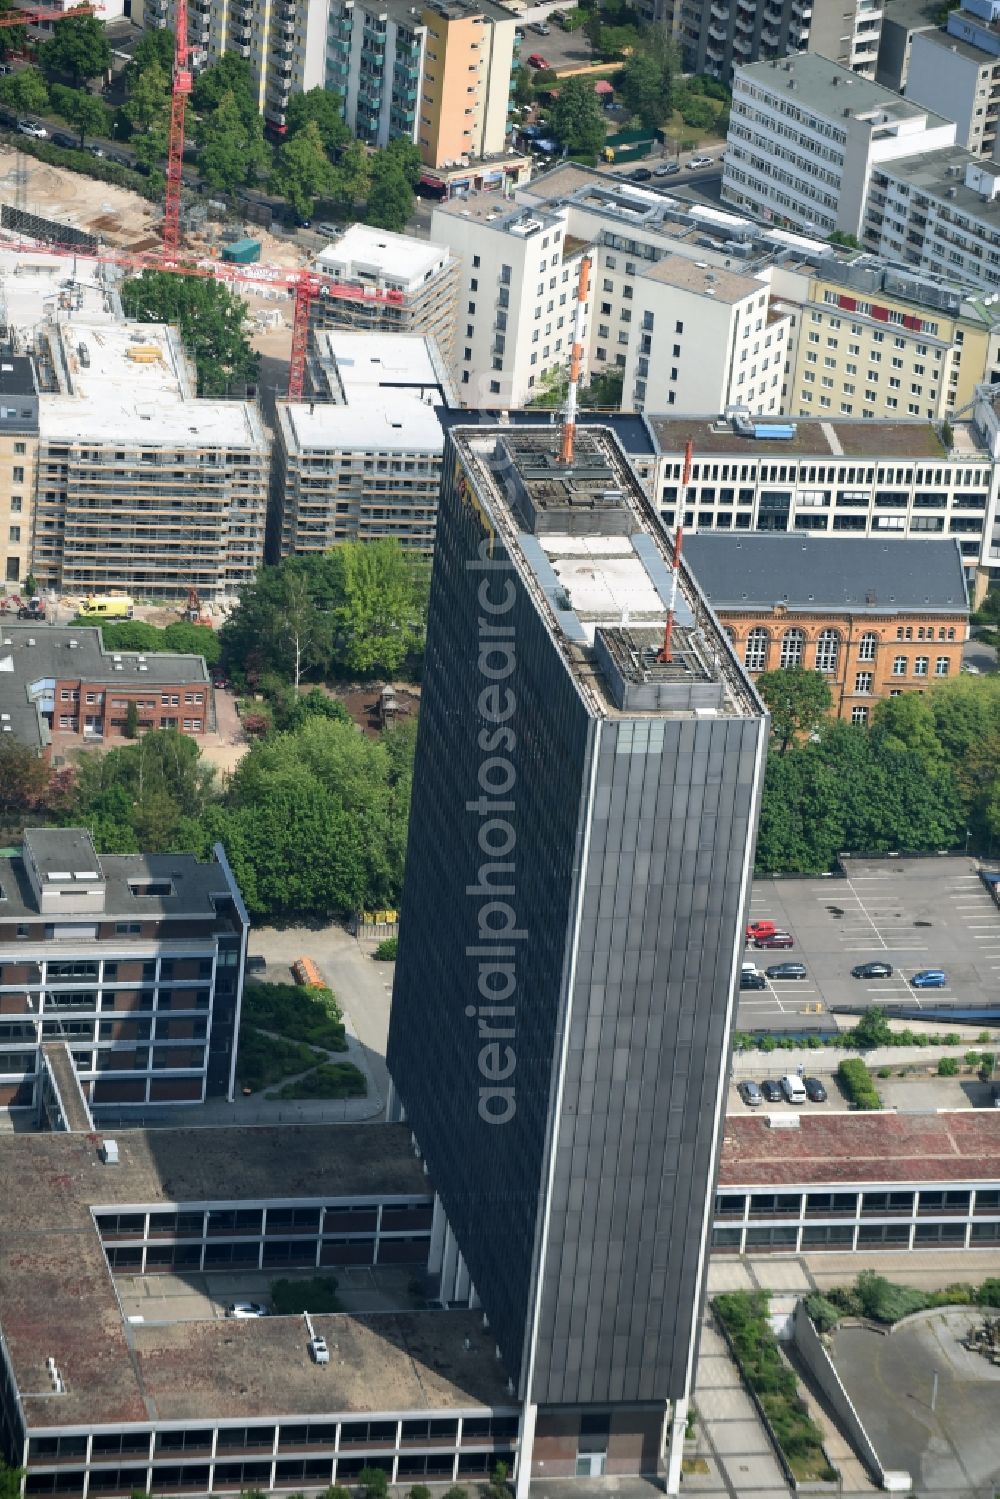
(875,354)
(465,97)
(18,451)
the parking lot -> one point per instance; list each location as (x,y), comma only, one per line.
(911,913)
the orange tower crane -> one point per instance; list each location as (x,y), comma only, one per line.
(180,89)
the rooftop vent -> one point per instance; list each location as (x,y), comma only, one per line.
(109,1152)
(73,644)
(782,1121)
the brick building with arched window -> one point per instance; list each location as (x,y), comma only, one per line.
(876,617)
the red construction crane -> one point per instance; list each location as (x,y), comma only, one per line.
(34,17)
(306,285)
(179,91)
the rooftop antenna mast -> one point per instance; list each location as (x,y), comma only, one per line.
(665,655)
(569,421)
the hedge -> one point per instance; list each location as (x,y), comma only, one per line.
(885,1301)
(856,1082)
(87,166)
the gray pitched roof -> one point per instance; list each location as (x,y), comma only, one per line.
(832,572)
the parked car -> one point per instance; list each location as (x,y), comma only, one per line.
(539,28)
(667,169)
(775,939)
(750,1094)
(929,978)
(536,60)
(786,971)
(697,162)
(95,150)
(68,142)
(640,174)
(760,929)
(793,1088)
(119,159)
(771,1091)
(243,1311)
(872,971)
(815,1091)
(318,1351)
(752,980)
(32,127)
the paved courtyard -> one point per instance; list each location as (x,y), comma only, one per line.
(946,1441)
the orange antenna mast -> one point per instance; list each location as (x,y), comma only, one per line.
(668,630)
(569,422)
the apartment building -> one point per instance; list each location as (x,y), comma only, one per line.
(18,452)
(140,484)
(939,213)
(469,65)
(693,335)
(284,42)
(901,22)
(876,618)
(424,274)
(717,37)
(956,69)
(135,961)
(838,475)
(519,273)
(375,63)
(805,137)
(882,343)
(365,463)
(58,684)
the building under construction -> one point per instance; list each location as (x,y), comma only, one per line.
(423,276)
(140,484)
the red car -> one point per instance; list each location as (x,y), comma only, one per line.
(760,929)
(536,60)
(774,939)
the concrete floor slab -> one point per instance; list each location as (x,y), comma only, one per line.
(728,1275)
(722,1404)
(717,1374)
(730,1437)
(781,1275)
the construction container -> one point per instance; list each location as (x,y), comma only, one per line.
(242,251)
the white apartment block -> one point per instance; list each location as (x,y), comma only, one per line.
(423,275)
(365,464)
(140,485)
(284,41)
(697,338)
(956,71)
(939,213)
(805,136)
(519,273)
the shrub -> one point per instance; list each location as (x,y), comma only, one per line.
(984,1038)
(289,1298)
(947,1067)
(973,1058)
(336,1491)
(386,953)
(951,1038)
(374,1482)
(872,1030)
(922,1039)
(822,1311)
(311,1015)
(855,1080)
(768,1043)
(989,1292)
(884,1301)
(455,1492)
(884,1072)
(419,1491)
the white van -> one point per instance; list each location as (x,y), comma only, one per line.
(793,1088)
(749,967)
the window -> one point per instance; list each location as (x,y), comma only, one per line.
(827,650)
(859,714)
(921,665)
(866,647)
(792,646)
(17,474)
(756,652)
(863,681)
(899,666)
(941,666)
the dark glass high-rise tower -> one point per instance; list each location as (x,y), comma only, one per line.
(580,850)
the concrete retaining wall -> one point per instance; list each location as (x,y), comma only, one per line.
(810,1349)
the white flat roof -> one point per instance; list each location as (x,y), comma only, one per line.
(364,251)
(403,424)
(366,361)
(135,385)
(39,288)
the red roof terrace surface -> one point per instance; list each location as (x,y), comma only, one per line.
(841,1149)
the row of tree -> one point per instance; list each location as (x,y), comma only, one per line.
(317,160)
(924,775)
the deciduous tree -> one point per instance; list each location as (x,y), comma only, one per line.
(78,50)
(212,320)
(304,171)
(798,699)
(325,110)
(577,117)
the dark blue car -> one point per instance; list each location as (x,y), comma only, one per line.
(929,978)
